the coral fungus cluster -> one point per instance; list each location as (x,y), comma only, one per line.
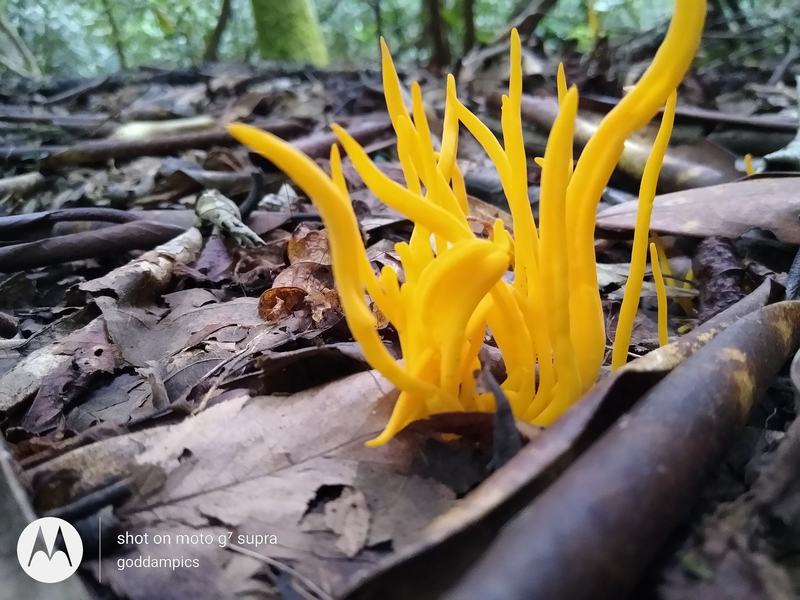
(548,321)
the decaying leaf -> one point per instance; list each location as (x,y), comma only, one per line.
(213,207)
(256,467)
(308,245)
(728,210)
(313,278)
(279,303)
(91,355)
(151,272)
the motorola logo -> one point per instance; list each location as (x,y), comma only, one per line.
(49,550)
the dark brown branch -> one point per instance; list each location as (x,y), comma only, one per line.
(109,241)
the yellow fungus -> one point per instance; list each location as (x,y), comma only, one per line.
(647,193)
(546,320)
(597,162)
(749,169)
(554,256)
(661,296)
(684,303)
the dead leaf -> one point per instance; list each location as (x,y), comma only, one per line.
(345,514)
(728,210)
(254,466)
(91,353)
(308,244)
(316,280)
(279,303)
(147,275)
(143,334)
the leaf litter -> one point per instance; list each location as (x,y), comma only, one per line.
(178,381)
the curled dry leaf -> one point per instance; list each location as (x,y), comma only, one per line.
(308,276)
(144,277)
(279,303)
(316,280)
(215,208)
(308,244)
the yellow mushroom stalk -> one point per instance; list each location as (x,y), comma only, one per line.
(661,296)
(455,290)
(749,168)
(647,193)
(596,164)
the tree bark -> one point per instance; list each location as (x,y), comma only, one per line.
(289,30)
(469,25)
(440,49)
(378,14)
(212,47)
(116,36)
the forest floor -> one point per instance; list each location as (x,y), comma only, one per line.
(169,374)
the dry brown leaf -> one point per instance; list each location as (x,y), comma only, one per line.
(308,276)
(149,274)
(727,210)
(308,245)
(316,280)
(279,303)
(256,466)
(144,334)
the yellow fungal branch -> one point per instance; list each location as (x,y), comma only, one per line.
(684,303)
(749,169)
(546,319)
(661,296)
(597,162)
(647,193)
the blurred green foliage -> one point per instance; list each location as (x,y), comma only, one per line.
(75,37)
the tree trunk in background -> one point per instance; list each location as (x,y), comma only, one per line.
(528,15)
(440,50)
(212,47)
(378,14)
(116,36)
(468,9)
(289,30)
